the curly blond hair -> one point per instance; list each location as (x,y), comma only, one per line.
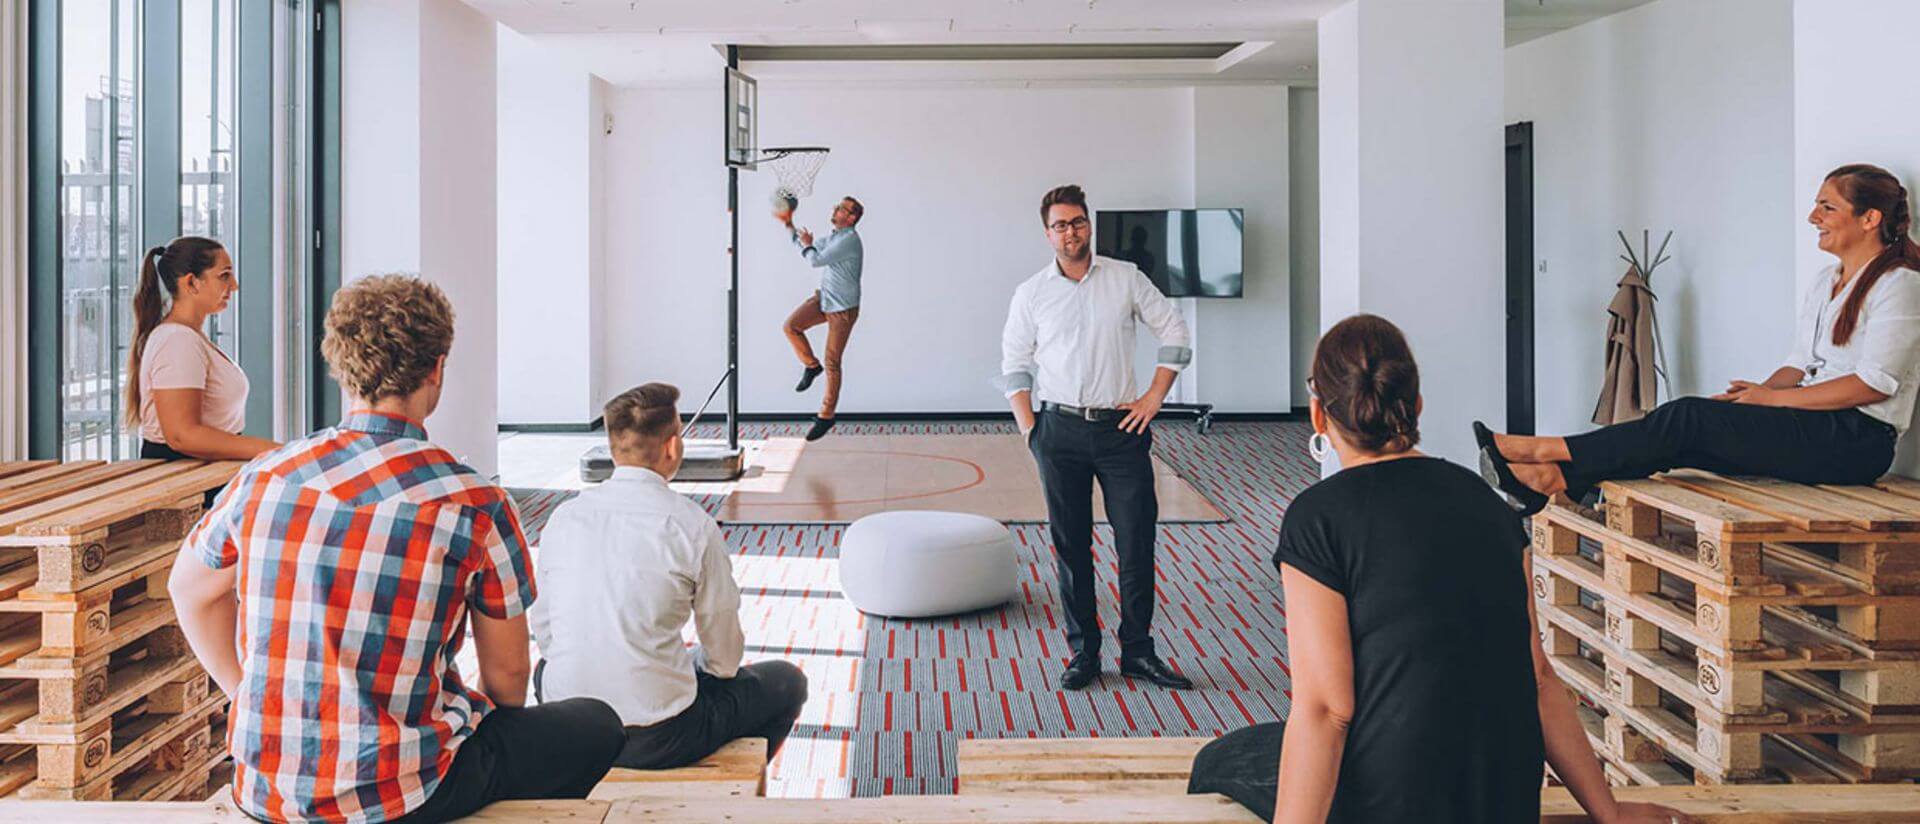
(385,334)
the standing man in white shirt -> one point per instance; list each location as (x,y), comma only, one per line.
(622,568)
(1069,339)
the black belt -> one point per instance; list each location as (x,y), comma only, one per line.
(1083,413)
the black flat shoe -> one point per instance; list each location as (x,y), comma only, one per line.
(807,374)
(1155,670)
(820,427)
(1495,470)
(1080,672)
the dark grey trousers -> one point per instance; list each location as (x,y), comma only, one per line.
(760,701)
(1071,453)
(557,750)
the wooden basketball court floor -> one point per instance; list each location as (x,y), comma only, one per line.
(845,477)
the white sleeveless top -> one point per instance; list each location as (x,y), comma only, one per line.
(179,357)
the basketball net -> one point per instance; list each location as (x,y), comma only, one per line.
(795,168)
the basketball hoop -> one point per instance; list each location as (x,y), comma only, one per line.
(795,166)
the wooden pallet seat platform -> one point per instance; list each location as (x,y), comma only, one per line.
(1093,765)
(1739,629)
(1865,804)
(737,770)
(100,698)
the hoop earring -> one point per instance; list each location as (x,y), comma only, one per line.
(1320,446)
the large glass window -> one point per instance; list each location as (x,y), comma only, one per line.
(169,118)
(209,189)
(99,216)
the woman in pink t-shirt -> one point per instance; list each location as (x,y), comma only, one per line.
(186,396)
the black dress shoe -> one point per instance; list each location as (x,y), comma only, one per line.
(820,427)
(1153,669)
(1494,469)
(1080,672)
(807,374)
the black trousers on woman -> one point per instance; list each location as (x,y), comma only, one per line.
(157,451)
(1843,446)
(1243,765)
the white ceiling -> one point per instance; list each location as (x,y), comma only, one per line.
(672,42)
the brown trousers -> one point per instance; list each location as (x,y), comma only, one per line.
(839,327)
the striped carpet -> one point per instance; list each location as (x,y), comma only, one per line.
(890,698)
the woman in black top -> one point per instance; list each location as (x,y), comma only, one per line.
(1420,691)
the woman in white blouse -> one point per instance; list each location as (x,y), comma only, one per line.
(1831,414)
(187,397)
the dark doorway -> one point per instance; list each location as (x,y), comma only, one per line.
(1520,278)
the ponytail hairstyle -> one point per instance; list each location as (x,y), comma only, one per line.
(1365,377)
(162,269)
(1871,187)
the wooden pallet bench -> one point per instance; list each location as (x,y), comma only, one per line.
(100,698)
(737,770)
(1864,804)
(1115,767)
(1090,765)
(1740,629)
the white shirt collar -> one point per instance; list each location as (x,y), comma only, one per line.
(637,473)
(1092,264)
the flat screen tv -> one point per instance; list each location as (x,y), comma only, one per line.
(1188,253)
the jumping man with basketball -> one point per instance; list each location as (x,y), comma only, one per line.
(836,303)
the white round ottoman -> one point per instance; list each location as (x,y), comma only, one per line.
(919,564)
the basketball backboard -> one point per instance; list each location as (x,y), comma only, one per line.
(742,119)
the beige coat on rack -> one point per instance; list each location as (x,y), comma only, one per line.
(1630,389)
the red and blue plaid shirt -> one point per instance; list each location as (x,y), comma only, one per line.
(359,551)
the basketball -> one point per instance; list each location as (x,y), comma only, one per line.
(783,202)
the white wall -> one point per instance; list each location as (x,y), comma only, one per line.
(547,245)
(1240,159)
(1303,158)
(952,179)
(1674,115)
(1853,81)
(1411,224)
(418,184)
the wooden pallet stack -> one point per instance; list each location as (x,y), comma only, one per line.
(100,698)
(1739,630)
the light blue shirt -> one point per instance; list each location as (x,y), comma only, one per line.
(840,254)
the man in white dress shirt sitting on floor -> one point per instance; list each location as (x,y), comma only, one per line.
(1069,339)
(622,568)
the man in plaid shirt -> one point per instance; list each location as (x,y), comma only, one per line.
(329,588)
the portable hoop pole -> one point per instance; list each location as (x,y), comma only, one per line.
(733,283)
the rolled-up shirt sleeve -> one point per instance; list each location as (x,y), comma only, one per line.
(1163,317)
(830,250)
(1018,342)
(1892,329)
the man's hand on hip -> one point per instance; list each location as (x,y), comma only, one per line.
(1141,412)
